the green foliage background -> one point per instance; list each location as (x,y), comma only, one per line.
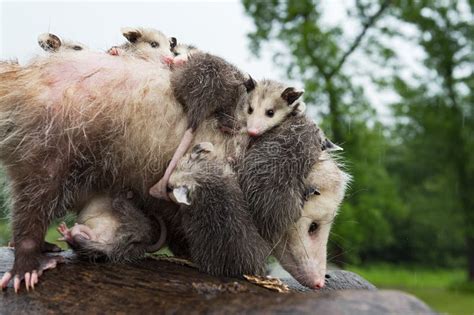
(412,198)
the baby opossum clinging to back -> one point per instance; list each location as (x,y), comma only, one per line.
(146,43)
(52,43)
(209,87)
(221,236)
(114,229)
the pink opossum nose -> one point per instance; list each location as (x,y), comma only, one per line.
(253,132)
(167,60)
(318,284)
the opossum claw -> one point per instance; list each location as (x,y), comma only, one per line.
(30,278)
(5,280)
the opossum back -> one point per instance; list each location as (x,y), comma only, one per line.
(222,237)
(272,174)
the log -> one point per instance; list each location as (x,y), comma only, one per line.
(155,285)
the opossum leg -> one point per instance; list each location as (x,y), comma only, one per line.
(47,247)
(159,190)
(31,216)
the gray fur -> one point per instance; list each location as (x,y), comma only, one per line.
(208,85)
(135,234)
(218,228)
(273,171)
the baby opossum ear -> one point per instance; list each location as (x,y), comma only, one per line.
(329,146)
(131,34)
(49,42)
(200,149)
(173,42)
(181,195)
(310,191)
(290,95)
(250,84)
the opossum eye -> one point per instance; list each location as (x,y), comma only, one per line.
(77,48)
(154,44)
(250,110)
(270,113)
(313,228)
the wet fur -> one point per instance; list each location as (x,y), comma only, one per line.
(272,174)
(73,125)
(208,85)
(218,228)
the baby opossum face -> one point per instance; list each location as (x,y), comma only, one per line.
(302,252)
(270,102)
(96,224)
(52,43)
(182,52)
(146,43)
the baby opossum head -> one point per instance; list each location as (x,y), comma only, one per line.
(182,52)
(146,43)
(52,43)
(193,165)
(269,103)
(302,251)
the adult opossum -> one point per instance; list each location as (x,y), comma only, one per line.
(284,171)
(75,125)
(302,249)
(217,225)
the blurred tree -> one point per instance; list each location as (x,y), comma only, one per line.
(319,54)
(435,116)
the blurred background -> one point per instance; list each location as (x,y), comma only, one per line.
(390,81)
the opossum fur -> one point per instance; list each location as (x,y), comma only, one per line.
(208,85)
(74,125)
(122,231)
(273,171)
(216,221)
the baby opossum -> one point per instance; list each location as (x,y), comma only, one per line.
(219,231)
(52,43)
(146,43)
(273,171)
(114,229)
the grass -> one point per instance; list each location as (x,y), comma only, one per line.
(442,289)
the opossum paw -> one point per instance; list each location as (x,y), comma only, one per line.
(65,232)
(29,271)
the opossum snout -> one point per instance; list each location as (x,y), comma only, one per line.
(318,284)
(253,132)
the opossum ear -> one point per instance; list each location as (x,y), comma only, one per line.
(310,191)
(131,34)
(173,42)
(250,84)
(329,146)
(290,95)
(49,42)
(181,195)
(200,149)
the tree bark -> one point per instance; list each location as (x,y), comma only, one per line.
(152,286)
